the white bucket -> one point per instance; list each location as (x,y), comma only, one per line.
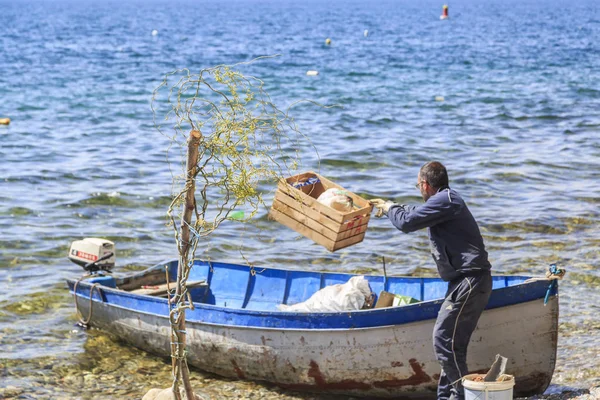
(475,390)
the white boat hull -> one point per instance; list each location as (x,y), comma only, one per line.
(387,361)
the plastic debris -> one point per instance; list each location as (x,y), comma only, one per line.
(237,215)
(349,296)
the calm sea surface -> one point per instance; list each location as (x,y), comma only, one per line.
(518,129)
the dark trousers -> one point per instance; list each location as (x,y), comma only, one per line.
(465,301)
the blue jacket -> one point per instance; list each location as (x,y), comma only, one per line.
(456,243)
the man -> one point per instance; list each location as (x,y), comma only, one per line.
(458,250)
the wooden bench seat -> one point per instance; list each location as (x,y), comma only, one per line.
(161,290)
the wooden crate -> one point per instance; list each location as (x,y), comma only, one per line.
(298,208)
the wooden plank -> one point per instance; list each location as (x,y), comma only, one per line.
(351,232)
(315,236)
(161,290)
(302,229)
(310,201)
(148,278)
(300,177)
(347,230)
(349,242)
(334,214)
(309,211)
(362,211)
(353,223)
(359,202)
(298,209)
(305,220)
(335,226)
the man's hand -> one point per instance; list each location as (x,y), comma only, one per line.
(382,206)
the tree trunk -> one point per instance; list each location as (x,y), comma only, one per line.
(180,367)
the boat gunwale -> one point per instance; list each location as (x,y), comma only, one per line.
(268,328)
(368,318)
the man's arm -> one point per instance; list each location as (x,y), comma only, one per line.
(411,218)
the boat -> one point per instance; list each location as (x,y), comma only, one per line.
(236,330)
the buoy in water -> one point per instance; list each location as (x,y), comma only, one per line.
(439,98)
(312,73)
(4,121)
(154,32)
(444,12)
(366,32)
(327,41)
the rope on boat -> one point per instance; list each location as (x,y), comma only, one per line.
(553,275)
(85,321)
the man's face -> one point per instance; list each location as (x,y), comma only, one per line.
(423,188)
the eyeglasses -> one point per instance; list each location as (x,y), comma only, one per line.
(418,185)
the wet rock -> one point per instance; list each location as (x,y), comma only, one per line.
(152,393)
(10,391)
(167,394)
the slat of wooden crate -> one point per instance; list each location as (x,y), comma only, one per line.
(353,214)
(357,229)
(307,210)
(316,237)
(319,222)
(349,242)
(354,222)
(301,177)
(365,206)
(302,229)
(310,201)
(347,230)
(305,220)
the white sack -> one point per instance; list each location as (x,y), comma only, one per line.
(337,199)
(347,296)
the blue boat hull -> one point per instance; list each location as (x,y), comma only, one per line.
(236,331)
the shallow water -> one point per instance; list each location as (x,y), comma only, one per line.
(518,128)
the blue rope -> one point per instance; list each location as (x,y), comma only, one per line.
(552,288)
(194,232)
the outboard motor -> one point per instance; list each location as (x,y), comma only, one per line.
(93,254)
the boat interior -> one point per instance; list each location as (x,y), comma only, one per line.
(255,288)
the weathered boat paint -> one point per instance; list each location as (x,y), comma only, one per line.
(370,354)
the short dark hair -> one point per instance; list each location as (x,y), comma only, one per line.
(435,174)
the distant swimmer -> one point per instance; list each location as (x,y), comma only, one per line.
(444,12)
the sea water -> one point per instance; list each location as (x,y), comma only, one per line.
(505,93)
